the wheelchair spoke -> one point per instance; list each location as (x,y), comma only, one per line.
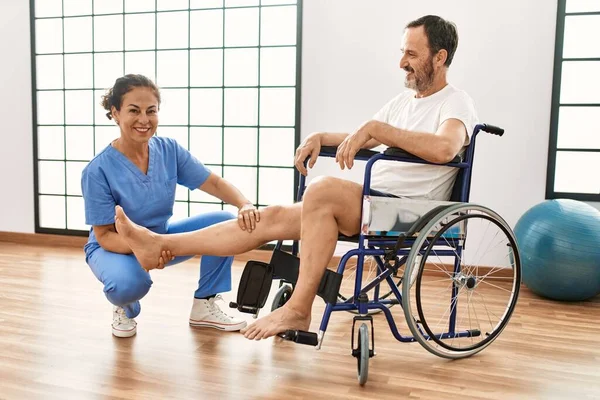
(449,310)
(459,324)
(496,286)
(488,249)
(496,269)
(488,311)
(469,297)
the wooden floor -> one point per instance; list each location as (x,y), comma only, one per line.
(56,343)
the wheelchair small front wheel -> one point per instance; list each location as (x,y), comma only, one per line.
(363,354)
(282,296)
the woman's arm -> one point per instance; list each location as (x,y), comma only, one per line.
(224,190)
(248,214)
(110,240)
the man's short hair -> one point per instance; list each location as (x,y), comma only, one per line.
(441,34)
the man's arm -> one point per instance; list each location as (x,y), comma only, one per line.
(311,147)
(439,147)
(334,139)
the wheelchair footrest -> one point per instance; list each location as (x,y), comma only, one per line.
(301,337)
(287,266)
(257,277)
(243,308)
(254,287)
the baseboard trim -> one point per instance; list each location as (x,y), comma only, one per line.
(48,240)
(43,239)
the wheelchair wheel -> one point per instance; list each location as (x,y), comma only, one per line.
(363,354)
(282,295)
(466,286)
(369,272)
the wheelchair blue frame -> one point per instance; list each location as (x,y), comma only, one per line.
(376,246)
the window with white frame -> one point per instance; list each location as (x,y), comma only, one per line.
(574,151)
(228,71)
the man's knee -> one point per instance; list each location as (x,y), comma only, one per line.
(274,213)
(127,286)
(322,188)
(337,197)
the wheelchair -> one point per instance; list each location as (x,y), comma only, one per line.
(453,267)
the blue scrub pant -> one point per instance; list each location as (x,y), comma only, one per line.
(126,282)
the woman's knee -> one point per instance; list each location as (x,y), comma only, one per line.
(124,287)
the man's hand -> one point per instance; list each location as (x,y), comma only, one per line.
(310,147)
(248,217)
(351,145)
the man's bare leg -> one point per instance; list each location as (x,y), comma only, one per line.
(330,205)
(223,239)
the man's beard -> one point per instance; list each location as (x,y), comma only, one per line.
(421,80)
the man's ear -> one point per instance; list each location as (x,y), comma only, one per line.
(441,57)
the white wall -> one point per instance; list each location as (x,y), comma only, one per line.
(350,58)
(16,142)
(504,61)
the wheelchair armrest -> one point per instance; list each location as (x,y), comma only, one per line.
(363,154)
(406,156)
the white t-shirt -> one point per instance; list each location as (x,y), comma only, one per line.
(405,111)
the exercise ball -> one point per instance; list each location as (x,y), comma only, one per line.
(559,244)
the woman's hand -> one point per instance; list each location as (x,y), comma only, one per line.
(164,259)
(248,217)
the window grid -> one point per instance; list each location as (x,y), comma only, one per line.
(171,11)
(169,49)
(67,89)
(554,150)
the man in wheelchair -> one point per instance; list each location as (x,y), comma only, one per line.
(433,121)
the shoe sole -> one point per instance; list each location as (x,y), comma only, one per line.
(231,328)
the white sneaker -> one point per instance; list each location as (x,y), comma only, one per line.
(123,326)
(207,314)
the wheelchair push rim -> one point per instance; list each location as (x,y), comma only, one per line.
(456,309)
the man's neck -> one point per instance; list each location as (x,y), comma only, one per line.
(438,84)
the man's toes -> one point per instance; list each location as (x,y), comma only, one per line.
(252,336)
(259,335)
(250,332)
(268,333)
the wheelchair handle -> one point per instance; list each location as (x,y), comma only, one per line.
(494,130)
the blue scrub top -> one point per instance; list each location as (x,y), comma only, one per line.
(112,179)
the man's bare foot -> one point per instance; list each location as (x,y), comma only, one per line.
(145,244)
(278,321)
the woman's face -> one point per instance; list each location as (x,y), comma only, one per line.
(138,116)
